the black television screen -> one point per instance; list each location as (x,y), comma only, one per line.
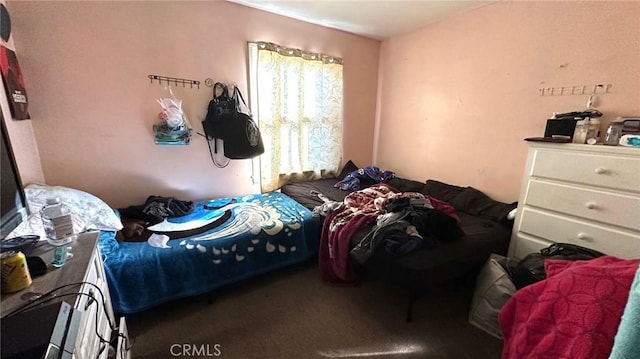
(13,205)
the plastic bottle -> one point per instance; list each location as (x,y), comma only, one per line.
(580,133)
(593,131)
(58,227)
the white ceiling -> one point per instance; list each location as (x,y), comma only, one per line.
(377,19)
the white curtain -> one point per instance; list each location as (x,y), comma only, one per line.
(296,98)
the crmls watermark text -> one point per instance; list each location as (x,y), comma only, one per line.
(195,350)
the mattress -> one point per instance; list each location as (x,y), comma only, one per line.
(446,262)
(260,233)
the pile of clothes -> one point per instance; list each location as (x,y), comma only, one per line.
(403,222)
(409,223)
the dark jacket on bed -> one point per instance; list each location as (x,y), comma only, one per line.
(394,229)
(156,208)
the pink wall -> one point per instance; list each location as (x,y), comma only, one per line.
(458,97)
(21,133)
(455,99)
(86,66)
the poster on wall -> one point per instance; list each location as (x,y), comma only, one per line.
(14,84)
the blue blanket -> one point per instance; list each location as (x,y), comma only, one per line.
(627,340)
(259,233)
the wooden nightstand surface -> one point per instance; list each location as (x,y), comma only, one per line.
(73,271)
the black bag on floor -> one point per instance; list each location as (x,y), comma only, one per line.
(531,268)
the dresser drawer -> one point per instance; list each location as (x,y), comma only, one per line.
(592,204)
(602,170)
(559,228)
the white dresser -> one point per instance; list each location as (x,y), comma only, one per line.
(580,194)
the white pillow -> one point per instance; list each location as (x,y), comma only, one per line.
(88,211)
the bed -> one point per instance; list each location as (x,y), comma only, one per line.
(257,234)
(220,242)
(484,222)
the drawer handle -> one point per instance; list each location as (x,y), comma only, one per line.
(601,170)
(592,205)
(583,236)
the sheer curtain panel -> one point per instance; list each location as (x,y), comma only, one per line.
(296,97)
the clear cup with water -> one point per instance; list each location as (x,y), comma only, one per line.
(58,227)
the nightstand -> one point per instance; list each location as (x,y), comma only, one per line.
(98,326)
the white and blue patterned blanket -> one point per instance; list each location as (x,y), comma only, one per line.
(252,234)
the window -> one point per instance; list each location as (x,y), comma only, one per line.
(296,98)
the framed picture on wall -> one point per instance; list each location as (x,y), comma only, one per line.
(14,84)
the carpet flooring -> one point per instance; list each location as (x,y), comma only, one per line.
(291,313)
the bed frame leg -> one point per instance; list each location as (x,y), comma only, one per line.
(412,298)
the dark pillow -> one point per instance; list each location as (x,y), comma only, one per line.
(405,185)
(442,191)
(476,203)
(347,168)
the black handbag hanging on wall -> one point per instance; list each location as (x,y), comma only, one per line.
(225,121)
(221,108)
(219,112)
(242,137)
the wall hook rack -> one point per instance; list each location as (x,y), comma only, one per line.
(174,80)
(595,89)
(209,83)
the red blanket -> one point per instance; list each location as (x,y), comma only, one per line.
(574,313)
(358,210)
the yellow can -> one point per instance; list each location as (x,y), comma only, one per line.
(15,272)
